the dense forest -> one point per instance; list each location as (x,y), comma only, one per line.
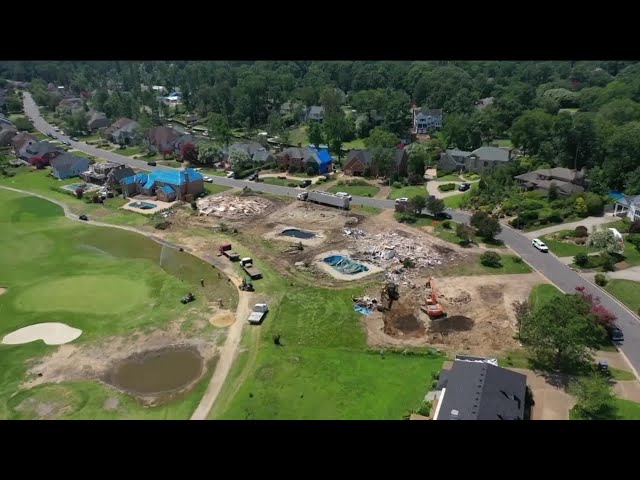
(561,113)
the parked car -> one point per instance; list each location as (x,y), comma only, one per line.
(231,175)
(207,179)
(305,183)
(75,139)
(51,135)
(152,164)
(463,187)
(253,177)
(83,217)
(66,143)
(444,215)
(402,200)
(539,244)
(615,334)
(344,194)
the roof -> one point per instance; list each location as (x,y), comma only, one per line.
(495,154)
(140,178)
(323,155)
(120,173)
(364,156)
(481,391)
(7,134)
(67,161)
(40,148)
(168,189)
(563,178)
(172,177)
(94,115)
(458,153)
(628,200)
(434,112)
(249,147)
(119,124)
(21,139)
(162,135)
(262,155)
(316,110)
(398,155)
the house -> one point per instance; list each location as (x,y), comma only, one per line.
(256,152)
(68,165)
(44,150)
(5,122)
(316,113)
(20,143)
(425,120)
(568,181)
(167,185)
(70,104)
(96,120)
(6,135)
(122,131)
(628,206)
(161,140)
(473,390)
(182,140)
(297,111)
(480,159)
(484,103)
(115,176)
(99,172)
(300,157)
(359,160)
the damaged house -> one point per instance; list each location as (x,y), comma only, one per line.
(361,161)
(301,158)
(167,185)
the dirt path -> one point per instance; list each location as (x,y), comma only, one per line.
(234,334)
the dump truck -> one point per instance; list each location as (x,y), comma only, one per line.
(258,313)
(247,266)
(225,249)
(325,198)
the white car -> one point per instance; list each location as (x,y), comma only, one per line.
(402,200)
(344,194)
(231,174)
(208,179)
(539,244)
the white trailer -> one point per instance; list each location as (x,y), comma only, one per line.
(258,313)
(326,198)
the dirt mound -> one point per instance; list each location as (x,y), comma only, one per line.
(3,290)
(402,321)
(454,323)
(223,318)
(461,299)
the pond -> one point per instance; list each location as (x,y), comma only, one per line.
(296,233)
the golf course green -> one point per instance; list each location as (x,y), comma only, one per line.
(104,281)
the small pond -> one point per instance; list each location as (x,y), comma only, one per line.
(296,233)
(345,265)
(143,205)
(157,372)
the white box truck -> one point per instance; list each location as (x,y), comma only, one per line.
(258,313)
(325,198)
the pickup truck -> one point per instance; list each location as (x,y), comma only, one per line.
(259,312)
(225,249)
(247,265)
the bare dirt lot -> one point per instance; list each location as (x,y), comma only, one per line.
(480,318)
(2,290)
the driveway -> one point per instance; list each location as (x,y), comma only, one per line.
(432,188)
(587,222)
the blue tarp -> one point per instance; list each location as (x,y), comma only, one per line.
(362,310)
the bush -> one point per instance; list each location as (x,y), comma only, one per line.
(608,263)
(634,239)
(556,218)
(581,231)
(446,224)
(517,259)
(447,187)
(406,217)
(396,185)
(601,279)
(518,223)
(529,216)
(491,259)
(580,241)
(163,225)
(635,227)
(425,409)
(581,259)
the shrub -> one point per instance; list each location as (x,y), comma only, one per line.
(446,224)
(518,223)
(491,259)
(556,218)
(580,241)
(635,227)
(608,263)
(292,184)
(425,409)
(529,215)
(601,279)
(447,187)
(163,225)
(396,185)
(581,231)
(517,259)
(79,192)
(581,259)
(406,217)
(634,239)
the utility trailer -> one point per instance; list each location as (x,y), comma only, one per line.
(259,312)
(225,249)
(325,198)
(247,265)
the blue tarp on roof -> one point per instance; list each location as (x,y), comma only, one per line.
(137,178)
(173,177)
(168,189)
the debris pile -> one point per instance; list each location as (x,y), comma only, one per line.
(353,232)
(462,299)
(231,206)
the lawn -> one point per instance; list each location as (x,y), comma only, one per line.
(358,143)
(282,182)
(299,135)
(562,249)
(213,189)
(104,281)
(365,209)
(625,410)
(449,178)
(543,293)
(131,151)
(509,266)
(356,190)
(455,201)
(627,291)
(408,192)
(504,142)
(420,220)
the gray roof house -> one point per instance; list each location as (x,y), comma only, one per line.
(5,122)
(568,181)
(480,159)
(6,135)
(43,149)
(316,113)
(480,391)
(68,165)
(426,120)
(115,176)
(96,120)
(628,206)
(484,103)
(122,130)
(20,143)
(256,151)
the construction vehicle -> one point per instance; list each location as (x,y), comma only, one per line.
(247,285)
(225,249)
(432,307)
(325,198)
(389,292)
(189,297)
(247,265)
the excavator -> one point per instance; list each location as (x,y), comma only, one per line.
(432,308)
(390,293)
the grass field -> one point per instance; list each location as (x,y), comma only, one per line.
(101,280)
(625,410)
(627,291)
(212,188)
(449,178)
(358,143)
(356,190)
(509,266)
(563,249)
(131,151)
(543,293)
(282,182)
(454,201)
(409,192)
(299,135)
(504,142)
(365,209)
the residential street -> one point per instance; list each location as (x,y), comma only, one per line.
(547,264)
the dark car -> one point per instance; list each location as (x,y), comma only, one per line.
(66,143)
(83,217)
(615,334)
(75,139)
(152,164)
(463,187)
(253,177)
(305,183)
(444,215)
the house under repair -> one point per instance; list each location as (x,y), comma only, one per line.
(167,185)
(99,172)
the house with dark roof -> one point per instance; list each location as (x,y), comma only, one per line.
(568,181)
(122,131)
(5,122)
(628,206)
(480,391)
(161,140)
(301,157)
(256,152)
(44,150)
(20,143)
(360,161)
(316,113)
(166,185)
(426,120)
(297,111)
(70,104)
(96,120)
(115,176)
(98,173)
(6,135)
(68,165)
(480,159)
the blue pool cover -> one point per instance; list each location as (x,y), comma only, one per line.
(345,265)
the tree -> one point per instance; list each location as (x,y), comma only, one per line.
(522,310)
(565,340)
(79,192)
(581,259)
(219,128)
(315,134)
(330,100)
(580,207)
(23,124)
(239,159)
(604,240)
(603,316)
(465,233)
(491,259)
(381,138)
(208,153)
(189,153)
(383,164)
(531,129)
(14,104)
(486,225)
(435,205)
(553,192)
(418,203)
(595,398)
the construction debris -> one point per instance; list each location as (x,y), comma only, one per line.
(232,206)
(353,232)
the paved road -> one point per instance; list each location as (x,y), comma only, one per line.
(547,264)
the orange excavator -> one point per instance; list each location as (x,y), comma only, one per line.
(432,308)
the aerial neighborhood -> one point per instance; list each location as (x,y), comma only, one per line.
(320,240)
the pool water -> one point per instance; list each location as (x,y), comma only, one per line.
(143,205)
(345,265)
(295,233)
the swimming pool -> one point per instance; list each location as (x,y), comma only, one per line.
(143,205)
(296,233)
(345,265)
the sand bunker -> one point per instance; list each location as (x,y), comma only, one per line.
(49,333)
(223,318)
(2,290)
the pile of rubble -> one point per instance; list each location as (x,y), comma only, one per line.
(353,232)
(231,206)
